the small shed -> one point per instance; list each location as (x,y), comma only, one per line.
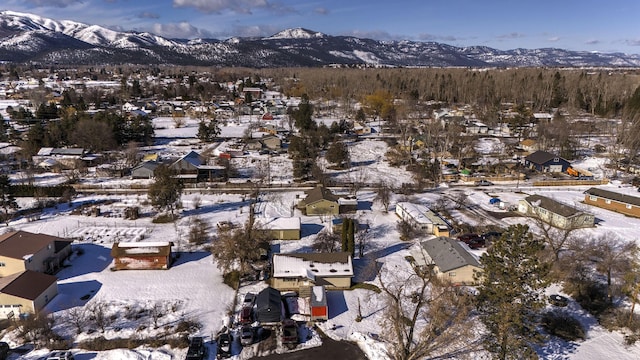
(269,306)
(318,302)
(141,255)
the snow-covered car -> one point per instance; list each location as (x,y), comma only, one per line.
(249,299)
(558,300)
(224,345)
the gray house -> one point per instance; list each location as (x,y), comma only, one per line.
(448,259)
(145,170)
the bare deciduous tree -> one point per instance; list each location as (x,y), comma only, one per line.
(426,317)
(613,256)
(383,194)
(77,317)
(326,242)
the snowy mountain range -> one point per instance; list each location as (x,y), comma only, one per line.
(31,38)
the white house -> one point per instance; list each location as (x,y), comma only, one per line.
(422,218)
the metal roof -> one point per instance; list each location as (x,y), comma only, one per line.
(447,254)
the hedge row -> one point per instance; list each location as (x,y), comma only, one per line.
(42,191)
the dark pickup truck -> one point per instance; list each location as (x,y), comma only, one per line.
(197,350)
(289,333)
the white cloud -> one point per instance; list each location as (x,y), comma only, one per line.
(554,39)
(181,30)
(321,11)
(52,3)
(237,6)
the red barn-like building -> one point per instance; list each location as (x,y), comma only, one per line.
(141,255)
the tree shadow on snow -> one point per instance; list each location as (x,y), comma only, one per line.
(214,208)
(365,269)
(336,303)
(86,259)
(181,258)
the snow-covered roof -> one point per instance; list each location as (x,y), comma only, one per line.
(280,223)
(160,248)
(311,265)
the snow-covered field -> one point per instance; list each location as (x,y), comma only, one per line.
(193,289)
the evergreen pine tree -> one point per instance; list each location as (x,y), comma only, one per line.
(510,293)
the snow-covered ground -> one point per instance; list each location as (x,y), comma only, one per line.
(193,287)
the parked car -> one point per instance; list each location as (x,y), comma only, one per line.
(289,333)
(558,300)
(246,315)
(483,183)
(249,299)
(60,355)
(246,335)
(197,350)
(224,345)
(474,241)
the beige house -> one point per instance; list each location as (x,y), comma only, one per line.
(301,271)
(555,213)
(26,292)
(281,228)
(21,250)
(319,201)
(448,259)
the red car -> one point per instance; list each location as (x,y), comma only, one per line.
(246,315)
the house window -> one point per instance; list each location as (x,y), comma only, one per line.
(2,264)
(452,274)
(608,201)
(556,159)
(592,198)
(629,206)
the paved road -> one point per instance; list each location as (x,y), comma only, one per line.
(330,349)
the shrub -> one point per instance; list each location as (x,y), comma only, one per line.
(366,286)
(563,325)
(164,218)
(232,279)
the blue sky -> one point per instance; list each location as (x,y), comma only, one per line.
(591,25)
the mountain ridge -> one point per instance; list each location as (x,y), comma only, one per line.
(31,38)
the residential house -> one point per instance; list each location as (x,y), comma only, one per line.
(67,158)
(281,228)
(529,145)
(319,201)
(361,128)
(477,128)
(555,213)
(26,292)
(614,201)
(144,170)
(141,255)
(449,260)
(422,218)
(22,250)
(269,142)
(193,167)
(301,271)
(546,162)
